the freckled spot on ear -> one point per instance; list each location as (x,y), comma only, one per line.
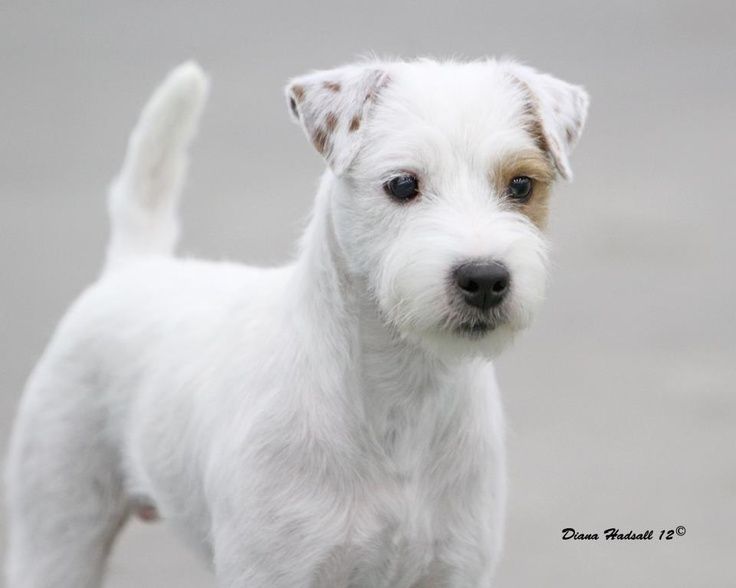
(532,116)
(536,130)
(570,135)
(354,123)
(292,105)
(332,86)
(320,140)
(331,121)
(298,92)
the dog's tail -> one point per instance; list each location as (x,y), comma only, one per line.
(143,198)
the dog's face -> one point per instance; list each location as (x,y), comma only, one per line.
(443,178)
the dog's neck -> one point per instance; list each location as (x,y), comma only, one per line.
(398,382)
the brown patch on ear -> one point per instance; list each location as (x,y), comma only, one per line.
(298,92)
(331,108)
(331,121)
(297,95)
(320,141)
(535,129)
(536,166)
(533,120)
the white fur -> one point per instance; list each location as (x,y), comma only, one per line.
(319,424)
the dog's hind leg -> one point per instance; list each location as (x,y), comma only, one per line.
(65,493)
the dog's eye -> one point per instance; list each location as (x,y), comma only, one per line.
(521,188)
(403,187)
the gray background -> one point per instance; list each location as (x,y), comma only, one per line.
(620,399)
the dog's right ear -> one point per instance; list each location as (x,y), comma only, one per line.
(332,107)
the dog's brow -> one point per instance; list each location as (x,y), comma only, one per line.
(530,162)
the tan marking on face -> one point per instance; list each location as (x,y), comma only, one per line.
(355,123)
(332,86)
(535,165)
(331,122)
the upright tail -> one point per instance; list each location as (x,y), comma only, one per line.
(143,198)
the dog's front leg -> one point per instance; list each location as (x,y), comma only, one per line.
(279,526)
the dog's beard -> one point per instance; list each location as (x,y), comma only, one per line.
(466,340)
(453,332)
(472,324)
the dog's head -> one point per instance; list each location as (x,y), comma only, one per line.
(443,173)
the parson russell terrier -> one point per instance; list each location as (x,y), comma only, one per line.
(331,423)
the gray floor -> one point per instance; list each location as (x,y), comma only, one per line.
(621,398)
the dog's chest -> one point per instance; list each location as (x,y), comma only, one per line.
(393,540)
(409,512)
(404,521)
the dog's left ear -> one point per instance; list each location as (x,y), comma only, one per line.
(561,110)
(332,107)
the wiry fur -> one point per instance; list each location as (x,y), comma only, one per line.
(319,424)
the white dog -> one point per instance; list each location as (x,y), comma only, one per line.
(331,423)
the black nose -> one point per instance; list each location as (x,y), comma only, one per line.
(483,284)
